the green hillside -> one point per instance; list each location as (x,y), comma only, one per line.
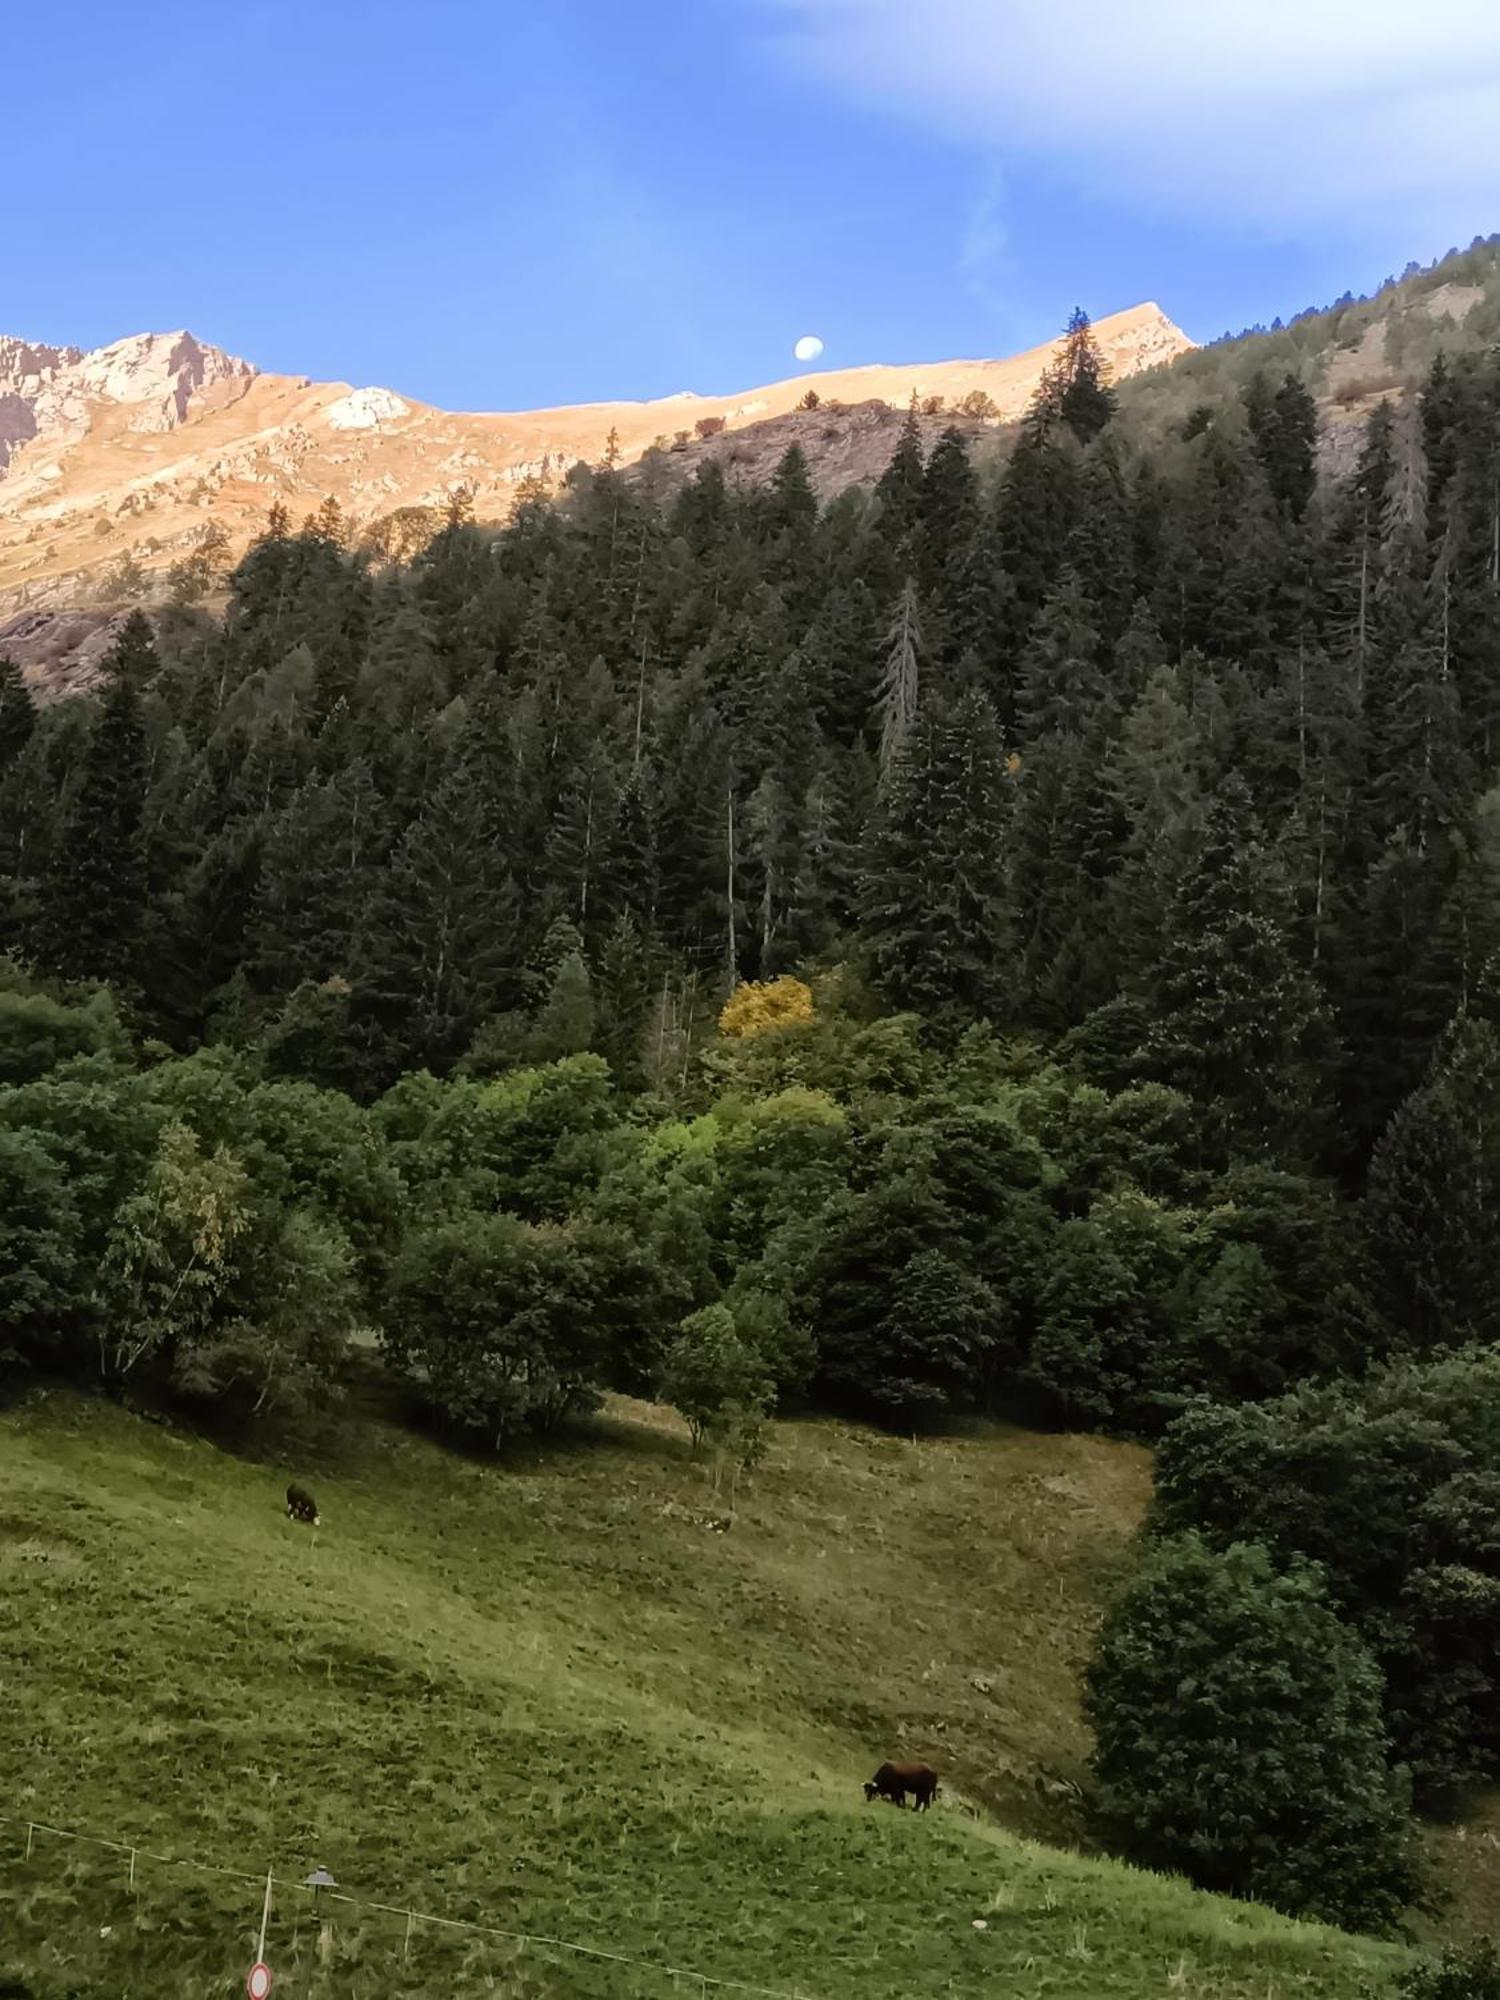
(550,1696)
(1350,354)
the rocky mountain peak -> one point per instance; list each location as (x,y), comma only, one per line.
(161,370)
(48,392)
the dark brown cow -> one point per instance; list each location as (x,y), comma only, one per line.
(894,1781)
(301,1506)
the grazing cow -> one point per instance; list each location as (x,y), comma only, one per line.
(894,1781)
(301,1506)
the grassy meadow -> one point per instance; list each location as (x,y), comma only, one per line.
(549,1696)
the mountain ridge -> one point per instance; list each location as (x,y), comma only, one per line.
(120,459)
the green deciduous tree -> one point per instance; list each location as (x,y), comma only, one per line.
(493,1321)
(1239,1738)
(715,1379)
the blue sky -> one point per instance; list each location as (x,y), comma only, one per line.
(490,204)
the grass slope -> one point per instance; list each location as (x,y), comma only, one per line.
(549,1697)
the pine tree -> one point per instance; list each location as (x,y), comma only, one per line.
(1238,1025)
(1061,680)
(628,881)
(949,518)
(1156,777)
(1442,408)
(94,899)
(580,839)
(935,913)
(1312,726)
(1101,548)
(1066,840)
(1036,508)
(623,995)
(823,899)
(1217,594)
(442,945)
(319,875)
(1418,766)
(899,490)
(564,1025)
(1354,548)
(1470,926)
(1431,1214)
(17,712)
(1284,430)
(900,685)
(791,508)
(1076,387)
(1395,982)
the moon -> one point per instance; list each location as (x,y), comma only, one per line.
(808,348)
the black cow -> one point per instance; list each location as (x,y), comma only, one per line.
(301,1506)
(894,1781)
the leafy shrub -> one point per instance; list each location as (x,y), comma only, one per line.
(1464,1972)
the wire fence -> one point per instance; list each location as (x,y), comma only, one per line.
(267,1883)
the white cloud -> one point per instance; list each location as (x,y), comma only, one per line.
(1278,112)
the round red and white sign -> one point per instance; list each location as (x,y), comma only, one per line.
(258,1980)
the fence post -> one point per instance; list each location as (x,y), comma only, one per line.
(130,1884)
(30,1830)
(406,1941)
(265,1918)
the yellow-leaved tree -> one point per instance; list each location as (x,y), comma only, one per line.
(762,1004)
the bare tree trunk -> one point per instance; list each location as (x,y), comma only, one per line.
(640,709)
(733,941)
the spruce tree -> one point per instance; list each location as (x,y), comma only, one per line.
(935,913)
(1035,510)
(564,1025)
(94,897)
(1076,385)
(949,517)
(900,488)
(1284,430)
(1062,683)
(791,508)
(622,993)
(1155,773)
(17,712)
(441,949)
(1432,1221)
(1101,548)
(1238,1024)
(900,685)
